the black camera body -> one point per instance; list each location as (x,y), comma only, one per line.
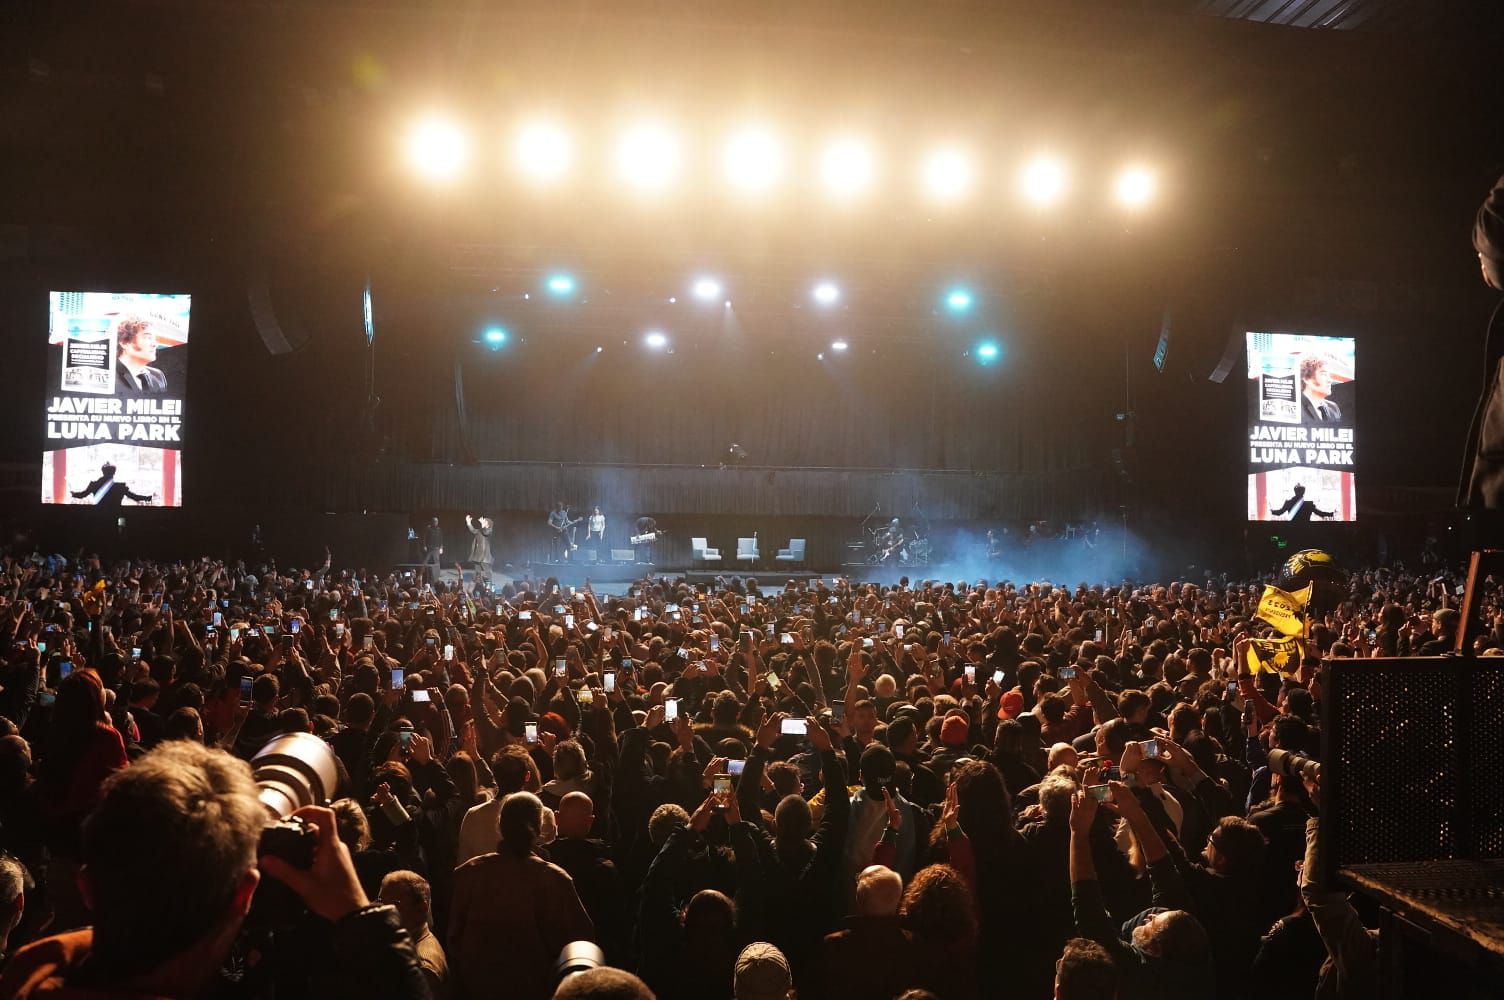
(290,839)
(291,771)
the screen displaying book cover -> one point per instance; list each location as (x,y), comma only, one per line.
(1302,427)
(117,368)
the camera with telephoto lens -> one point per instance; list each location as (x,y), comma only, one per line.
(578,957)
(292,771)
(1293,764)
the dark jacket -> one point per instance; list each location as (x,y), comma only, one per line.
(371,956)
(353,748)
(672,969)
(1483,475)
(1228,907)
(799,891)
(1142,975)
(1283,824)
(873,959)
(114,496)
(510,918)
(599,884)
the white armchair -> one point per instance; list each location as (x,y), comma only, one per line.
(746,550)
(701,551)
(793,554)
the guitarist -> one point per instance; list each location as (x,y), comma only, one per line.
(890,540)
(562,540)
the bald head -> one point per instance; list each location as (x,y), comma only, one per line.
(879,890)
(576,815)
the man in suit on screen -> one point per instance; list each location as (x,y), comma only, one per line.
(1316,390)
(107,491)
(136,347)
(1301,509)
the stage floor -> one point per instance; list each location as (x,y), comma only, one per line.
(614,578)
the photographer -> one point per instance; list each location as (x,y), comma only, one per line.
(194,812)
(1352,965)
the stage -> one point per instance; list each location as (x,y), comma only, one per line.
(614,578)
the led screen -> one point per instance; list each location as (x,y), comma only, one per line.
(1302,428)
(117,364)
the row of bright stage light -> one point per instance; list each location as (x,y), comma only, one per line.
(650,158)
(957,300)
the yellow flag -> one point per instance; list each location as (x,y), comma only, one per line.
(1282,609)
(1279,655)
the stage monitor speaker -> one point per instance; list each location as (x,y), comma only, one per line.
(1412,751)
(623,555)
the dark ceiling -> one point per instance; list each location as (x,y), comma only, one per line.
(1336,154)
(1439,16)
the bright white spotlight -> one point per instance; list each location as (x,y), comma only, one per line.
(988,351)
(648,158)
(1044,181)
(847,167)
(827,293)
(838,345)
(958,300)
(754,160)
(948,175)
(437,149)
(657,341)
(1136,187)
(707,289)
(543,151)
(495,337)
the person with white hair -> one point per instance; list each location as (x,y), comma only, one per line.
(480,546)
(874,957)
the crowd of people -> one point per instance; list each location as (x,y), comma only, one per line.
(822,789)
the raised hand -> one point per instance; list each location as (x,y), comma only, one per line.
(950,813)
(895,815)
(767,734)
(1083,811)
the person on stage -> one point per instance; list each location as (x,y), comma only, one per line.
(1301,509)
(480,546)
(890,542)
(109,492)
(644,526)
(994,544)
(595,531)
(433,550)
(562,541)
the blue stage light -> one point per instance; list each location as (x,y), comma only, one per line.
(561,284)
(494,337)
(958,300)
(988,352)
